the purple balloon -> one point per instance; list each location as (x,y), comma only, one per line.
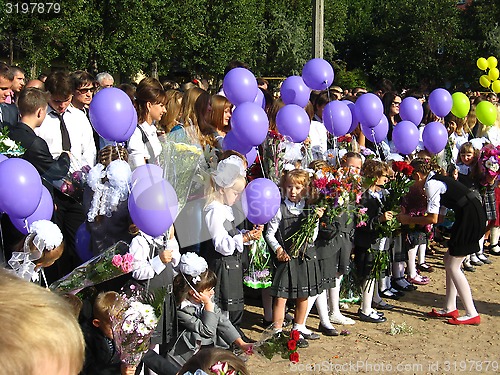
(251,156)
(111,114)
(405,136)
(3,157)
(378,133)
(250,124)
(259,99)
(132,127)
(20,188)
(261,200)
(147,171)
(293,121)
(142,184)
(411,109)
(82,243)
(369,110)
(155,209)
(440,102)
(44,211)
(318,74)
(435,137)
(240,86)
(230,142)
(354,122)
(337,118)
(295,91)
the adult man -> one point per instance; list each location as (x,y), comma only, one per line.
(18,82)
(66,128)
(8,112)
(105,80)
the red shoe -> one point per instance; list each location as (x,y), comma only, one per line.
(471,321)
(436,314)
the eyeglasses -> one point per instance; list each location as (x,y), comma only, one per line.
(85,90)
(396,104)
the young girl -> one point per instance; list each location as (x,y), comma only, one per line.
(367,241)
(224,251)
(202,322)
(154,259)
(42,247)
(468,228)
(144,145)
(295,277)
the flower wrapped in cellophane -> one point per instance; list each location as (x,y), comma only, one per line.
(489,163)
(8,146)
(132,328)
(111,263)
(337,191)
(182,164)
(258,275)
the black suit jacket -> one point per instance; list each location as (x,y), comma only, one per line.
(38,154)
(10,115)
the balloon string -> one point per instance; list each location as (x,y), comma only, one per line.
(337,151)
(260,162)
(26,225)
(2,247)
(376,145)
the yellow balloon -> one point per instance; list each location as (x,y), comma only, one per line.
(492,62)
(482,63)
(493,74)
(484,81)
(495,86)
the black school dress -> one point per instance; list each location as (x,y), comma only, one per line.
(470,216)
(300,277)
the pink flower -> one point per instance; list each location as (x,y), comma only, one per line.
(128,258)
(117,260)
(361,224)
(363,210)
(126,267)
(219,367)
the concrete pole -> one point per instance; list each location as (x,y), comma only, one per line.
(318,28)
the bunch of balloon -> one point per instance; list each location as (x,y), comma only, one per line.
(22,195)
(249,122)
(490,78)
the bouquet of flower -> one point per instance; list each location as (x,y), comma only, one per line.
(273,155)
(73,183)
(415,204)
(398,187)
(132,328)
(489,162)
(258,275)
(8,146)
(338,190)
(181,162)
(111,263)
(272,343)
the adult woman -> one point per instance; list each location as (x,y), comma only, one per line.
(173,111)
(144,146)
(221,114)
(468,228)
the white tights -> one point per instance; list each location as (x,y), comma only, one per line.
(456,284)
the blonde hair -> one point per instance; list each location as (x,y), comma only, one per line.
(38,326)
(106,305)
(297,176)
(466,148)
(211,192)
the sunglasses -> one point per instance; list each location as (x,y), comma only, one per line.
(86,90)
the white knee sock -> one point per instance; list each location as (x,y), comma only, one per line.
(412,254)
(322,307)
(421,253)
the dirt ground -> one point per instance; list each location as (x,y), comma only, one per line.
(434,347)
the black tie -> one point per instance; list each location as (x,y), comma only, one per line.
(66,143)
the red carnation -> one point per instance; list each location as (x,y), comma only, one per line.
(292,345)
(295,335)
(294,357)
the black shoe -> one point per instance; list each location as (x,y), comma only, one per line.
(302,343)
(386,295)
(408,288)
(310,336)
(382,306)
(372,318)
(266,323)
(327,331)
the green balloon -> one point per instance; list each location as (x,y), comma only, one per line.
(461,104)
(486,112)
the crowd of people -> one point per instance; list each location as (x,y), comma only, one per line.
(452,195)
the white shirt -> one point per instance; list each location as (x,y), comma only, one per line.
(145,267)
(273,226)
(82,150)
(216,215)
(434,189)
(319,139)
(138,151)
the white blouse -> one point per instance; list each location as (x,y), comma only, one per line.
(139,151)
(216,215)
(145,267)
(434,189)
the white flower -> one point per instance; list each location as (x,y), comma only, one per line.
(142,329)
(128,326)
(340,200)
(9,143)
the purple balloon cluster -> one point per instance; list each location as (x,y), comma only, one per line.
(152,203)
